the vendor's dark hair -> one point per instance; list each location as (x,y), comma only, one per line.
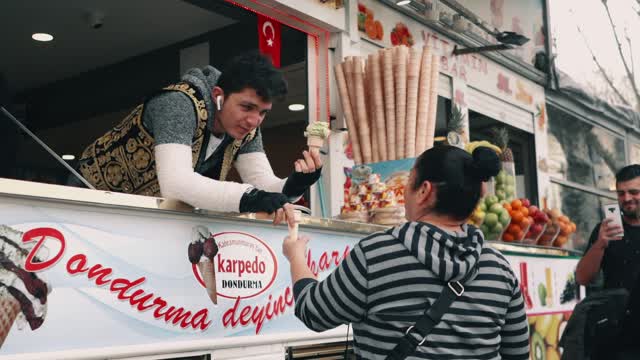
(253,70)
(457,176)
(627,173)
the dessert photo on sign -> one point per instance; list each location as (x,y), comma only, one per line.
(23,294)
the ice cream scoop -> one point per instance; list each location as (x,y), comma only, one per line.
(316,134)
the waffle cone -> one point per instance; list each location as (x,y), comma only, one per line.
(209,277)
(315,141)
(9,310)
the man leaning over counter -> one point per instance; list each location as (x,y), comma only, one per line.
(182,142)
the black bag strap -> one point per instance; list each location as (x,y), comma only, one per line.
(425,324)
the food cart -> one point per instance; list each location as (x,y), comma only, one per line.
(118,275)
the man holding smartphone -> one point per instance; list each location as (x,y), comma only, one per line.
(613,248)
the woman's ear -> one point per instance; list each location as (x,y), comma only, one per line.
(424,192)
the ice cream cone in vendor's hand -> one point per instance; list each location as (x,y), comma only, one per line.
(293,229)
(317,132)
(9,310)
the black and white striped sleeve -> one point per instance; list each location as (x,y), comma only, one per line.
(341,298)
(515,332)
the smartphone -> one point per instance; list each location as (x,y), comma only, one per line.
(612,211)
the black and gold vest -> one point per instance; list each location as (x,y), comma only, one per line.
(122,160)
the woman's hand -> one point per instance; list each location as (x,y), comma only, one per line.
(295,249)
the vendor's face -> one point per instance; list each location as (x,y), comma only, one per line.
(629,197)
(242,112)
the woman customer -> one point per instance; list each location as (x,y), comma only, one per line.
(390,279)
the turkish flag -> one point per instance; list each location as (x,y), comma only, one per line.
(269,38)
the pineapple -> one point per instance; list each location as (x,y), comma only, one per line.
(501,139)
(456,120)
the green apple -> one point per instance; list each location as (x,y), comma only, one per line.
(501,194)
(491,219)
(482,206)
(505,218)
(500,178)
(510,180)
(491,199)
(484,229)
(497,208)
(497,229)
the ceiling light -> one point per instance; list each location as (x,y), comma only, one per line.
(296,107)
(403,2)
(42,37)
(68,157)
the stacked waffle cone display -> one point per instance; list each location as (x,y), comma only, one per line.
(389,101)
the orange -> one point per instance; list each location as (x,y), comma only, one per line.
(379,30)
(508,237)
(526,221)
(564,219)
(516,204)
(507,206)
(514,229)
(524,211)
(516,216)
(520,235)
(573,227)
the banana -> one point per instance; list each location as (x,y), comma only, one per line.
(470,147)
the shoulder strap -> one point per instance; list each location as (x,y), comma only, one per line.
(408,343)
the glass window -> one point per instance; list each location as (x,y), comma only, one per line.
(583,153)
(634,154)
(581,207)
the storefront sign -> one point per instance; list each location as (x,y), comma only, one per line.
(126,278)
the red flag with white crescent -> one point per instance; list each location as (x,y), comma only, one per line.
(269,38)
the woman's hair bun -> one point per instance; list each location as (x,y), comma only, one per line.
(485,164)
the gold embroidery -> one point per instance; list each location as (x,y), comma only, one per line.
(122,159)
(230,153)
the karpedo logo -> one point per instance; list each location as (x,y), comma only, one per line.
(243,265)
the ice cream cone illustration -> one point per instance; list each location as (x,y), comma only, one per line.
(9,310)
(316,133)
(202,250)
(209,277)
(23,295)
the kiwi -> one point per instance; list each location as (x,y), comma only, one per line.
(538,348)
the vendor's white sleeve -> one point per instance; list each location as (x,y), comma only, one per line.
(178,181)
(254,168)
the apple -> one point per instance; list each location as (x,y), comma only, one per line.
(482,206)
(484,229)
(491,219)
(497,208)
(533,210)
(497,229)
(491,199)
(505,218)
(525,202)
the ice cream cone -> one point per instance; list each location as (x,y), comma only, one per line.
(315,143)
(9,310)
(293,230)
(208,273)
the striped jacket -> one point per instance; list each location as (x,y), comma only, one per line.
(390,278)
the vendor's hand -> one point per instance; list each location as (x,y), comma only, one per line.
(285,213)
(262,201)
(307,172)
(608,232)
(293,249)
(309,163)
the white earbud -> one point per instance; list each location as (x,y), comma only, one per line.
(219,102)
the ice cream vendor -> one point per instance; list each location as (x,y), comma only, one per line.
(182,142)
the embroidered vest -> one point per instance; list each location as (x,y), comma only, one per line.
(122,160)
